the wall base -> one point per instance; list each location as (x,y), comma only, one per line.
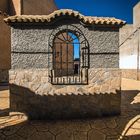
(32,94)
(4,76)
(131,74)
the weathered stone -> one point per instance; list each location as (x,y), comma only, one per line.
(78,126)
(80,135)
(104,88)
(111,123)
(33,93)
(32,65)
(106,61)
(113,137)
(133,137)
(57,127)
(11,130)
(130,74)
(14,137)
(26,131)
(44,79)
(42,136)
(98,124)
(97,135)
(65,135)
(110,132)
(2,137)
(40,126)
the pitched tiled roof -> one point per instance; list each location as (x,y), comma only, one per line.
(64,12)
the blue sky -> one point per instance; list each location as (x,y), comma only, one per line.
(76,46)
(121,9)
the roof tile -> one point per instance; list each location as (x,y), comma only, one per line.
(63,12)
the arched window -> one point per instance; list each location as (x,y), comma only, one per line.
(68,59)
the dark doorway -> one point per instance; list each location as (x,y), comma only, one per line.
(76,68)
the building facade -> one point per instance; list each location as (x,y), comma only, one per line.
(17,7)
(4,48)
(130,47)
(38,91)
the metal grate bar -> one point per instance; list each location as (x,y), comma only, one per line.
(67,68)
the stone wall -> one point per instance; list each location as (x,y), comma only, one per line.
(31,93)
(130,74)
(18,7)
(30,45)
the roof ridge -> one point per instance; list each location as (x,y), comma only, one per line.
(65,12)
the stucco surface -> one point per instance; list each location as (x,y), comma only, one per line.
(130,37)
(136,17)
(21,60)
(3,5)
(32,7)
(35,40)
(104,60)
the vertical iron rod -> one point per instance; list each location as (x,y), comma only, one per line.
(60,74)
(61,53)
(73,61)
(79,65)
(67,54)
(54,57)
(138,49)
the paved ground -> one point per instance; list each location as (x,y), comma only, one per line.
(123,127)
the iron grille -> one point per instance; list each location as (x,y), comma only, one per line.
(69,59)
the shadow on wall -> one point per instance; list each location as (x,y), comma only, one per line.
(4,77)
(4,112)
(37,106)
(4,101)
(131,112)
(12,8)
(116,128)
(4,87)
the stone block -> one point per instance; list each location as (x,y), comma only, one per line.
(32,94)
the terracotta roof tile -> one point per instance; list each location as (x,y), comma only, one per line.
(63,12)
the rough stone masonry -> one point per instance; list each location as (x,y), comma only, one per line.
(31,91)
